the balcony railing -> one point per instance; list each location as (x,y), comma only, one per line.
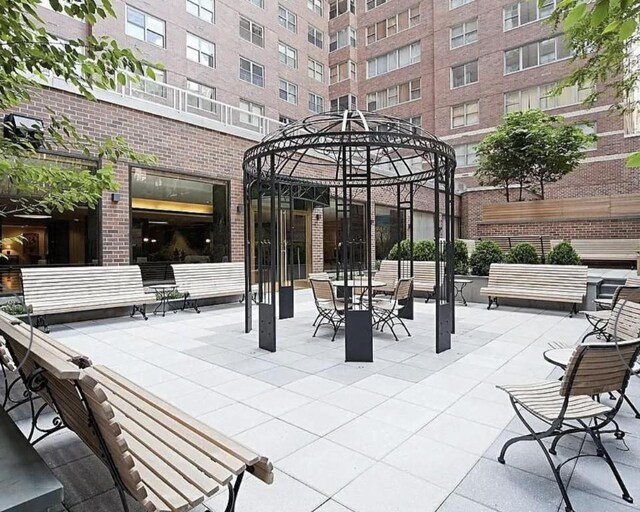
(632,122)
(177,100)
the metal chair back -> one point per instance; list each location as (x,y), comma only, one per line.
(596,368)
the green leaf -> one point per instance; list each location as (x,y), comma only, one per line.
(634,160)
(574,16)
(599,13)
(611,27)
(627,29)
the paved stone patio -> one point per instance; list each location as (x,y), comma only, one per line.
(411,432)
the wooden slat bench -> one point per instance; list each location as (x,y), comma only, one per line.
(612,249)
(51,290)
(553,283)
(424,275)
(162,457)
(208,280)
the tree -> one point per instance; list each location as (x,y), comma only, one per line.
(29,53)
(605,40)
(530,149)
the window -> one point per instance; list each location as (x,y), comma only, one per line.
(464,33)
(152,86)
(286,120)
(389,225)
(316,103)
(201,50)
(525,12)
(258,3)
(464,74)
(589,129)
(391,61)
(288,55)
(372,4)
(315,70)
(394,95)
(393,25)
(287,19)
(247,108)
(145,27)
(458,3)
(344,71)
(200,96)
(315,36)
(338,7)
(251,72)
(288,92)
(346,102)
(203,9)
(252,32)
(465,155)
(539,97)
(415,121)
(316,6)
(342,38)
(177,219)
(464,115)
(535,54)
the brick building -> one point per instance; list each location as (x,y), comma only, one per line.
(233,71)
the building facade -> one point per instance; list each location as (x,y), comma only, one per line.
(234,71)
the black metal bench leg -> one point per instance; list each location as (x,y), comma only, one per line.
(234,490)
(139,309)
(41,323)
(574,310)
(492,301)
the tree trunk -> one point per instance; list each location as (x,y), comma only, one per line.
(506,189)
(541,188)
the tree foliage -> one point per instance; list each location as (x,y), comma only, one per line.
(563,254)
(530,149)
(29,53)
(523,254)
(605,40)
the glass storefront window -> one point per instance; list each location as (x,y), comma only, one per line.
(176,219)
(332,232)
(67,238)
(387,230)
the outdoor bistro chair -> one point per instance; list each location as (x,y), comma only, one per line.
(322,276)
(600,319)
(387,312)
(569,407)
(330,310)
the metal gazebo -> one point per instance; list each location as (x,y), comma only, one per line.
(349,153)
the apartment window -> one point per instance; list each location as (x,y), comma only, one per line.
(458,3)
(464,115)
(152,86)
(287,19)
(315,36)
(200,96)
(464,74)
(343,71)
(394,95)
(415,121)
(203,9)
(315,70)
(316,6)
(346,102)
(252,32)
(201,50)
(372,4)
(342,38)
(393,25)
(288,92)
(391,61)
(539,96)
(535,54)
(288,55)
(247,109)
(286,120)
(589,129)
(316,103)
(464,33)
(251,72)
(338,7)
(258,3)
(145,27)
(525,12)
(465,155)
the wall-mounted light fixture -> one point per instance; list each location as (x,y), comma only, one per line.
(207,241)
(318,216)
(115,197)
(240,208)
(21,128)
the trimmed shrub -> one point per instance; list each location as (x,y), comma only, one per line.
(563,254)
(461,257)
(424,250)
(14,308)
(524,254)
(405,250)
(486,253)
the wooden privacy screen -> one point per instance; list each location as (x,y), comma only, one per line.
(581,208)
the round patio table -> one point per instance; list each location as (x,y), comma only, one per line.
(559,356)
(459,285)
(163,293)
(358,283)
